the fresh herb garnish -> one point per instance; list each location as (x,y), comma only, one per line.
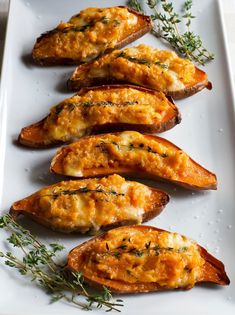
(71,106)
(141,146)
(83,190)
(107,103)
(116,255)
(38,262)
(83,28)
(136,252)
(182,249)
(116,22)
(142,61)
(104,20)
(123,246)
(156,249)
(147,245)
(188,44)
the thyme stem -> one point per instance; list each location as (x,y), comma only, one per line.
(156,249)
(81,190)
(187,44)
(37,260)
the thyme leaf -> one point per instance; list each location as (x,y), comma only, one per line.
(38,261)
(182,249)
(136,252)
(147,245)
(123,246)
(116,255)
(166,26)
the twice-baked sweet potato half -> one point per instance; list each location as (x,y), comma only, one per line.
(102,109)
(89,34)
(143,65)
(138,259)
(131,153)
(92,204)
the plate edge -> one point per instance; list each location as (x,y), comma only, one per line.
(3,97)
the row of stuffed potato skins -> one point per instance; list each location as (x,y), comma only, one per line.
(131,258)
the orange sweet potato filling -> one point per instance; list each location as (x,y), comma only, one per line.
(143,65)
(90,204)
(88,34)
(134,151)
(139,256)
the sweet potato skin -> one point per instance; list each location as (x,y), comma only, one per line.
(17,210)
(67,61)
(213,270)
(32,135)
(56,167)
(33,131)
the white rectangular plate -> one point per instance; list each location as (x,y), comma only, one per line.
(206,133)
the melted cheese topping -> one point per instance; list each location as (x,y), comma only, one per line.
(90,204)
(143,256)
(72,118)
(88,34)
(143,65)
(133,151)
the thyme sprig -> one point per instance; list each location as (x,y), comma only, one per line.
(82,190)
(130,146)
(139,252)
(38,262)
(166,26)
(74,28)
(71,106)
(142,61)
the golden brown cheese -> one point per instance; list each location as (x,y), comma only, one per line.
(75,116)
(143,256)
(88,34)
(131,151)
(143,65)
(91,204)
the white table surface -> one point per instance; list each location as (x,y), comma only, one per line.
(228,11)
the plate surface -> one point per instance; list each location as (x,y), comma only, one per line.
(206,133)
